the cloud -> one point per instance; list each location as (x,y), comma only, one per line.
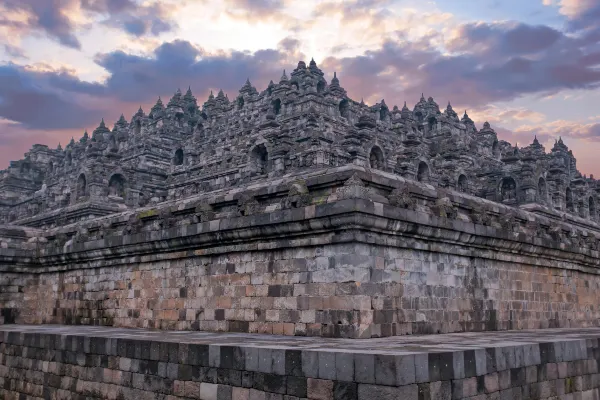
(151,20)
(481,63)
(562,128)
(62,20)
(43,100)
(50,17)
(42,97)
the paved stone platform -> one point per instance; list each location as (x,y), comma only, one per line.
(62,362)
(451,342)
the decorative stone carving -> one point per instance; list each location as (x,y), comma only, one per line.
(134,225)
(60,239)
(481,215)
(166,219)
(81,236)
(248,205)
(444,208)
(353,188)
(535,229)
(298,196)
(556,233)
(508,222)
(400,197)
(204,212)
(591,241)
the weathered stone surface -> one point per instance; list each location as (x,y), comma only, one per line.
(56,361)
(297,211)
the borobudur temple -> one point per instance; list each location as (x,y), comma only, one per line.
(299,211)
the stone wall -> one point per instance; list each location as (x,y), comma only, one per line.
(352,261)
(335,290)
(348,258)
(72,363)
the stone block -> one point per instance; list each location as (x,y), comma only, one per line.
(370,392)
(296,386)
(364,368)
(327,367)
(319,389)
(344,366)
(209,391)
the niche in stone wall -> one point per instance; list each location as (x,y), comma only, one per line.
(276,104)
(113,143)
(592,208)
(138,127)
(320,87)
(81,186)
(259,158)
(178,157)
(581,208)
(463,184)
(383,113)
(50,167)
(508,190)
(419,116)
(240,102)
(542,190)
(431,124)
(569,200)
(68,159)
(344,108)
(116,186)
(423,172)
(376,158)
(495,149)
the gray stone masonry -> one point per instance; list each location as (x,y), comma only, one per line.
(300,124)
(342,252)
(297,211)
(65,362)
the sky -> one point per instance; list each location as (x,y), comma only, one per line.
(529,67)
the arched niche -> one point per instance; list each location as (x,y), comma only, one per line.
(117,185)
(419,116)
(50,167)
(592,208)
(542,190)
(431,124)
(462,184)
(423,172)
(276,104)
(240,102)
(259,158)
(320,87)
(344,108)
(81,189)
(581,208)
(113,143)
(376,160)
(508,190)
(383,113)
(495,149)
(178,157)
(569,203)
(137,127)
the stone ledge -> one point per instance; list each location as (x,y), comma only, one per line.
(352,219)
(106,362)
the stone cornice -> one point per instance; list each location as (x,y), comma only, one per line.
(348,220)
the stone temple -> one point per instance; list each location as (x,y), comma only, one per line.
(300,212)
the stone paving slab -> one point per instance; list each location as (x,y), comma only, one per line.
(65,362)
(395,345)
